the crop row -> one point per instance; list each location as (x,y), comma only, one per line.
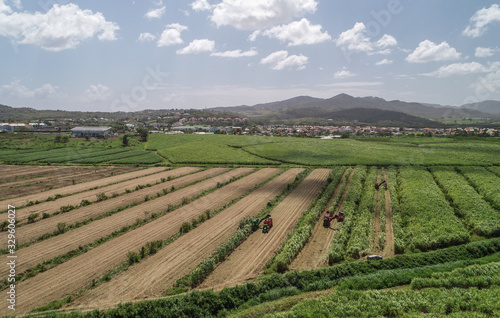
(428,220)
(147,158)
(478,214)
(109,156)
(305,226)
(485,182)
(337,249)
(74,154)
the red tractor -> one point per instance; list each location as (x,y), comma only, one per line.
(378,185)
(327,219)
(268,224)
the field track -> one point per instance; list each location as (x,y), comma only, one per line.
(389,228)
(180,257)
(33,231)
(78,272)
(42,196)
(378,207)
(71,240)
(51,207)
(312,255)
(250,258)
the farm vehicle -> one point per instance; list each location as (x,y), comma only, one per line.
(378,185)
(268,223)
(327,218)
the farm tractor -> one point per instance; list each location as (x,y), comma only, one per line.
(327,218)
(378,185)
(268,223)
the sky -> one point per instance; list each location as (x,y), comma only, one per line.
(161,54)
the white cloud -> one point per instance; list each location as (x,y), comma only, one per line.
(146,37)
(155,13)
(198,46)
(201,5)
(344,74)
(356,39)
(236,53)
(16,90)
(484,52)
(480,20)
(62,27)
(458,69)
(171,35)
(428,51)
(98,92)
(280,60)
(259,14)
(297,33)
(384,62)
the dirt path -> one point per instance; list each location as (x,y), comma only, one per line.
(91,196)
(22,201)
(33,231)
(180,257)
(378,207)
(312,254)
(389,229)
(71,240)
(76,273)
(250,258)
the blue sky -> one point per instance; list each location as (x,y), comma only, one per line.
(157,54)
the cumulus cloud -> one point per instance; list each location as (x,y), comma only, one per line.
(146,37)
(236,53)
(62,27)
(357,39)
(280,60)
(384,62)
(16,90)
(259,14)
(155,13)
(201,5)
(458,69)
(198,46)
(171,35)
(296,33)
(481,19)
(98,92)
(428,51)
(484,52)
(344,74)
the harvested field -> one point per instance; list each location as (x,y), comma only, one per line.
(76,273)
(22,201)
(33,231)
(250,258)
(40,176)
(12,173)
(180,257)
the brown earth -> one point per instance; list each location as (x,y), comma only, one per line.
(71,240)
(378,207)
(179,258)
(12,173)
(42,196)
(389,229)
(64,182)
(313,254)
(78,272)
(33,231)
(51,207)
(38,176)
(250,258)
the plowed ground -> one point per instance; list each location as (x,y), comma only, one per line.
(44,177)
(313,252)
(11,173)
(76,273)
(250,258)
(33,231)
(42,196)
(180,257)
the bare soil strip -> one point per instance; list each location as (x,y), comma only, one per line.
(40,176)
(389,230)
(22,201)
(250,258)
(62,181)
(33,231)
(92,195)
(13,173)
(312,254)
(378,206)
(71,240)
(76,273)
(179,258)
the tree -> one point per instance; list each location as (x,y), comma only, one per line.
(125,141)
(143,133)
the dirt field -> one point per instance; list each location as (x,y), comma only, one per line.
(250,258)
(312,255)
(42,196)
(44,177)
(76,273)
(33,231)
(12,173)
(180,257)
(389,229)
